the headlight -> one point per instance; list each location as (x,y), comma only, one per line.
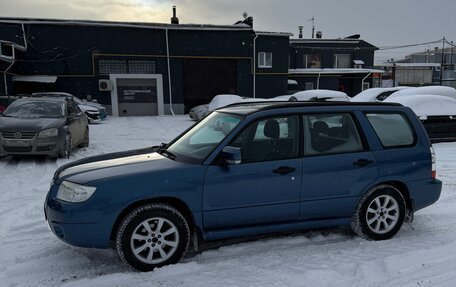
(73,192)
(49,133)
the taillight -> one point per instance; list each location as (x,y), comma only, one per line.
(434,168)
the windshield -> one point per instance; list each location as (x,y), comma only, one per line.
(203,138)
(35,109)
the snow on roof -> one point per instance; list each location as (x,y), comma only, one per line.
(144,25)
(321,94)
(428,90)
(292,82)
(409,65)
(358,62)
(428,105)
(37,79)
(370,95)
(334,71)
(223,100)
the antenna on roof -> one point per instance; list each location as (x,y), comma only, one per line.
(313,25)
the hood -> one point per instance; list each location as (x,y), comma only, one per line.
(92,104)
(32,125)
(112,165)
(86,108)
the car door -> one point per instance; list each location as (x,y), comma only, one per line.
(337,166)
(265,187)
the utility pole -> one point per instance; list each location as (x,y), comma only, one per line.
(441,61)
(452,51)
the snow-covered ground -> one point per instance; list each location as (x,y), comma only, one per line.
(421,254)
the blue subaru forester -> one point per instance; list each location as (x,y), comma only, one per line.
(250,169)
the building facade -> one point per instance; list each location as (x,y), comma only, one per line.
(335,64)
(141,68)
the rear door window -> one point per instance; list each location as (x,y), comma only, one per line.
(330,134)
(393,129)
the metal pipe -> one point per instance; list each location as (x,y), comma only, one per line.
(362,82)
(318,81)
(169,76)
(4,76)
(441,61)
(254,65)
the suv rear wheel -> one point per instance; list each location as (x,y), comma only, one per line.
(152,236)
(380,213)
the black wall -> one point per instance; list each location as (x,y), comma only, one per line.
(71,52)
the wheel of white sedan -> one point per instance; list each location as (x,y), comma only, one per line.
(152,236)
(380,213)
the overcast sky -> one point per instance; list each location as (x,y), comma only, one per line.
(382,23)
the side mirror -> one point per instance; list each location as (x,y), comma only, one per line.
(231,155)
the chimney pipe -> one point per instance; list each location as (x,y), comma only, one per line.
(300,31)
(319,34)
(174,19)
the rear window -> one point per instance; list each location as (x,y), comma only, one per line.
(393,129)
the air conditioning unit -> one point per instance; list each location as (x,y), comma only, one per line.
(105,85)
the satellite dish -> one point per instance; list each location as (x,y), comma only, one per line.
(245,15)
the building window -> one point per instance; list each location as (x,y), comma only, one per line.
(141,67)
(106,67)
(309,86)
(312,61)
(342,61)
(264,60)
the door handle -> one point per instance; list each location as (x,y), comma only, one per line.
(284,170)
(363,162)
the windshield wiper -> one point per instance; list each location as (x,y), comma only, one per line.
(163,149)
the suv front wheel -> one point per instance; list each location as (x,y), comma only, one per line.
(152,236)
(380,213)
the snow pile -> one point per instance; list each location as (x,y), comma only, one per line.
(421,254)
(429,90)
(370,95)
(320,95)
(223,100)
(427,105)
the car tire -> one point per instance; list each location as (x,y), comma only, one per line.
(86,141)
(66,149)
(152,236)
(380,213)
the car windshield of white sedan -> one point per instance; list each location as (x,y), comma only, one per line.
(35,109)
(202,139)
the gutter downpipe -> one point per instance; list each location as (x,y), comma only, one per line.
(169,76)
(318,81)
(254,65)
(4,76)
(362,82)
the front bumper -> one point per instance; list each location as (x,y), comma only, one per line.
(78,224)
(34,146)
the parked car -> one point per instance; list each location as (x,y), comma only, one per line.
(376,94)
(199,112)
(437,113)
(428,90)
(320,95)
(250,169)
(94,111)
(43,126)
